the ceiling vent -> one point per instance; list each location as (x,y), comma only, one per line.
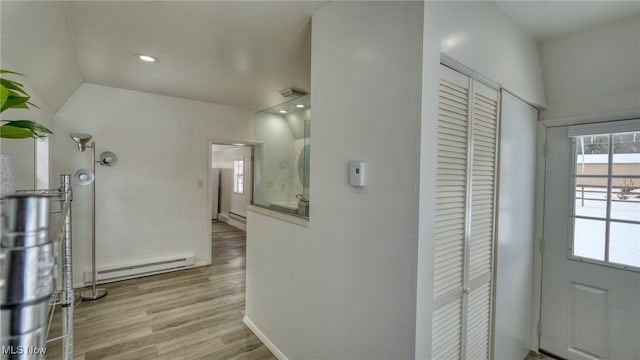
(292,92)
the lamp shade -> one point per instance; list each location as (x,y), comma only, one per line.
(83,177)
(108,158)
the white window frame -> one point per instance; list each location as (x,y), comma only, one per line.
(607,218)
(238,177)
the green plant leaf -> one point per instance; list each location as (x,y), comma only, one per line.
(15,102)
(13,93)
(13,85)
(33,127)
(11,96)
(12,132)
(3,71)
(4,95)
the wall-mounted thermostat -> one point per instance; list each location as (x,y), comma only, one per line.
(357,173)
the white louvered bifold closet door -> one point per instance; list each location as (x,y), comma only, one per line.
(465,218)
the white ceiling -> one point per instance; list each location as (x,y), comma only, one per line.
(238,53)
(235,53)
(545,19)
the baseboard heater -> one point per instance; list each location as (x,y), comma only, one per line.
(111,274)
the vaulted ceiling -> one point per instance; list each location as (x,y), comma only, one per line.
(238,53)
(546,19)
(235,53)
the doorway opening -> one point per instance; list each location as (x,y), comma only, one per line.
(231,182)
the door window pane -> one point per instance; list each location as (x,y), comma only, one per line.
(589,238)
(626,189)
(624,244)
(626,159)
(607,198)
(624,207)
(591,197)
(592,155)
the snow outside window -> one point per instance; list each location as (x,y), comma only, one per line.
(606,213)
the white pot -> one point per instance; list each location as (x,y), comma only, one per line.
(7,175)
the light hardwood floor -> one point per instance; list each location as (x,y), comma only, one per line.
(191,314)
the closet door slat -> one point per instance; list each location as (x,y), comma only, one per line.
(465,218)
(478,330)
(481,241)
(453,125)
(447,331)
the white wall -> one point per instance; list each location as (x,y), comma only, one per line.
(515,241)
(297,122)
(345,287)
(479,35)
(226,189)
(231,201)
(149,206)
(52,74)
(276,158)
(239,202)
(594,71)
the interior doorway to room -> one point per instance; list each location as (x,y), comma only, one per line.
(231,183)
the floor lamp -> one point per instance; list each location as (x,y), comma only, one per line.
(86,177)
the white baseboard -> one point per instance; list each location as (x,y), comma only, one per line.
(265,340)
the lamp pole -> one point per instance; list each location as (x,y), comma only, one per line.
(94,293)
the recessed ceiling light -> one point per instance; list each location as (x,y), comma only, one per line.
(283,111)
(300,106)
(146,58)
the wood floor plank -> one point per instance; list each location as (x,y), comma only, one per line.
(184,315)
(148,352)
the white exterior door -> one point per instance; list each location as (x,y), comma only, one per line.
(590,302)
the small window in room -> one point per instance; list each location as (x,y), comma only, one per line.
(606,213)
(238,176)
